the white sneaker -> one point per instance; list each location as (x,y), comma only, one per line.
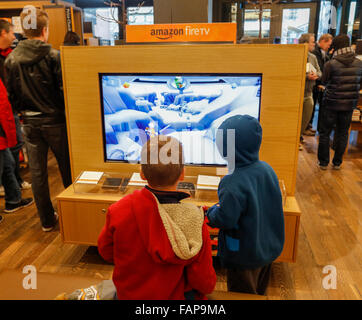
(51,228)
(25,185)
(2,191)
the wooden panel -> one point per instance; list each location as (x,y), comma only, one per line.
(195,11)
(82,222)
(283,69)
(175,11)
(291,223)
(57,26)
(162,11)
(78,24)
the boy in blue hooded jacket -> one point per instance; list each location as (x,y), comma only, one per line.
(250,211)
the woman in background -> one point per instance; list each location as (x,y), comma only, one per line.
(71,39)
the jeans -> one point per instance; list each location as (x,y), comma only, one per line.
(40,134)
(317,98)
(342,121)
(7,178)
(16,150)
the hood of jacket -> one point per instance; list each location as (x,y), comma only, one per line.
(31,51)
(346,58)
(5,52)
(171,233)
(248,135)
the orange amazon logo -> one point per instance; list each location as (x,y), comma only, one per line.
(199,32)
(164,34)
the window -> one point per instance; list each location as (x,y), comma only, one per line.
(295,23)
(252,24)
(140,15)
(352,12)
(104,23)
(326,15)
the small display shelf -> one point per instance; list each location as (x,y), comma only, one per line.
(93,182)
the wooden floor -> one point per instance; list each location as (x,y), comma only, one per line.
(330,234)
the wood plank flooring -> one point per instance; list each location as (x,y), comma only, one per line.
(330,234)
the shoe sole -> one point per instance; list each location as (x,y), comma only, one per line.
(47,229)
(18,208)
(51,228)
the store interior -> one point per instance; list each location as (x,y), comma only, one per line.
(131,92)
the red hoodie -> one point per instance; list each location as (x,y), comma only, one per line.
(145,241)
(7,123)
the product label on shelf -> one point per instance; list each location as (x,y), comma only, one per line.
(136,180)
(208,182)
(90,177)
(182,32)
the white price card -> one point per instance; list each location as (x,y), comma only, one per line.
(90,177)
(208,182)
(136,180)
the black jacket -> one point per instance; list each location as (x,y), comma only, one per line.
(322,59)
(2,68)
(342,77)
(34,76)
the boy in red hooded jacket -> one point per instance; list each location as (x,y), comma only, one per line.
(160,246)
(13,200)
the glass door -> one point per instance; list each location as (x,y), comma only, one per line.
(296,19)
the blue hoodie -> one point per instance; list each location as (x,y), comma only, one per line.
(250,212)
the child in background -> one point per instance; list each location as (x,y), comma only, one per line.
(249,213)
(13,199)
(160,246)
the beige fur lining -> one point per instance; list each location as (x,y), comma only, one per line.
(183,224)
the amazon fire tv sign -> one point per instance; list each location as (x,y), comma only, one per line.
(185,32)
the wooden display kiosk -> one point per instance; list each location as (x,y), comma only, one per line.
(283,78)
(63,16)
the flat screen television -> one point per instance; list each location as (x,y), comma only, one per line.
(189,107)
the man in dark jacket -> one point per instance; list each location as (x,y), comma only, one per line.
(342,78)
(35,90)
(321,52)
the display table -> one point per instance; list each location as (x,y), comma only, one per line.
(355,126)
(82,216)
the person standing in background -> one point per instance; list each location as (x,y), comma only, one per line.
(71,39)
(6,39)
(342,78)
(321,52)
(35,89)
(13,200)
(313,73)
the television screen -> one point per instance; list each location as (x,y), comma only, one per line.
(189,107)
